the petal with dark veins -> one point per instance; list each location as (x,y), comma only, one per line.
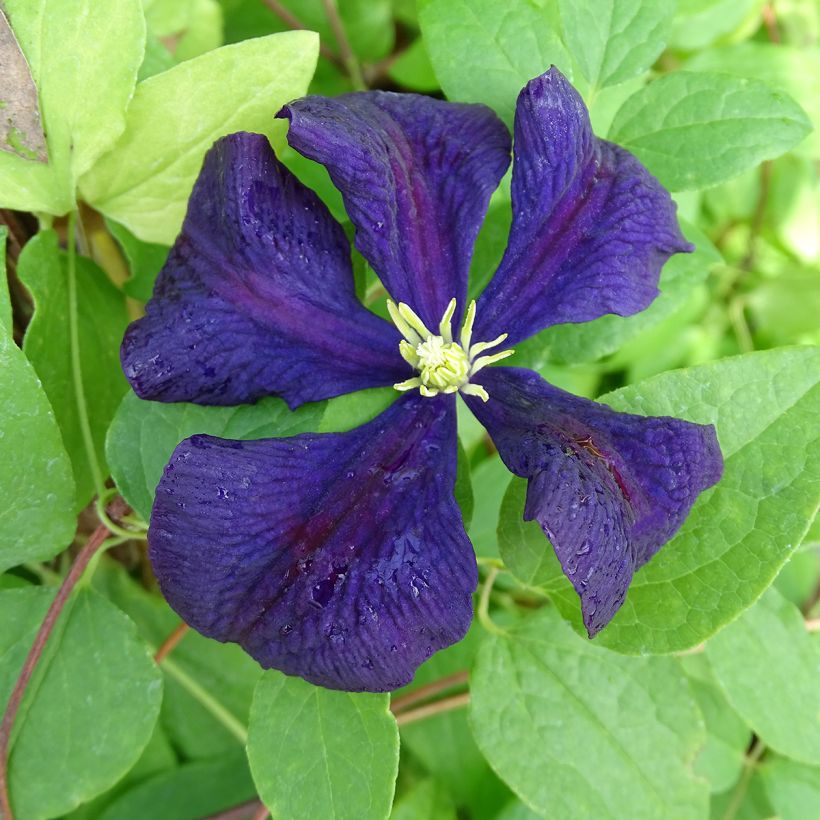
(341,558)
(257,296)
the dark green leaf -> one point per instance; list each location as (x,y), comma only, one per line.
(92,705)
(102,320)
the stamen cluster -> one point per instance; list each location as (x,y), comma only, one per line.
(444,366)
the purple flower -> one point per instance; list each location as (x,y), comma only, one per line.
(343,558)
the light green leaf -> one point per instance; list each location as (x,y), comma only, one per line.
(193,26)
(486,51)
(144,182)
(694,130)
(700,22)
(37,513)
(320,753)
(793,788)
(769,669)
(85,720)
(144,434)
(102,320)
(199,789)
(738,535)
(84,57)
(578,731)
(615,40)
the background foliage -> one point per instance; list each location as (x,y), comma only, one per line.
(702,699)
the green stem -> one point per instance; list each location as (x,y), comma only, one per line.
(76,364)
(484,604)
(207,700)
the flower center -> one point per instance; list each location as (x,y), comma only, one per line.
(443,365)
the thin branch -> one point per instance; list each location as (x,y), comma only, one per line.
(770,22)
(750,764)
(91,548)
(354,70)
(403,702)
(437,707)
(207,700)
(292,21)
(261,813)
(170,643)
(249,810)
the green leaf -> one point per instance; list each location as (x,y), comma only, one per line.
(578,731)
(347,412)
(793,788)
(721,760)
(37,513)
(413,69)
(320,753)
(615,40)
(225,673)
(174,117)
(427,800)
(145,261)
(84,57)
(198,789)
(85,721)
(522,544)
(768,667)
(490,479)
(102,320)
(738,535)
(793,70)
(144,434)
(486,51)
(694,130)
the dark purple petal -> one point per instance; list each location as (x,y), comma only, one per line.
(416,175)
(341,558)
(257,296)
(591,227)
(609,489)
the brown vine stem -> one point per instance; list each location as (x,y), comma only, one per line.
(170,643)
(351,64)
(91,548)
(404,702)
(437,707)
(292,21)
(250,810)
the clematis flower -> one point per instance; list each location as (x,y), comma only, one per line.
(343,558)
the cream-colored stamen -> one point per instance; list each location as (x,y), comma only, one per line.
(444,366)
